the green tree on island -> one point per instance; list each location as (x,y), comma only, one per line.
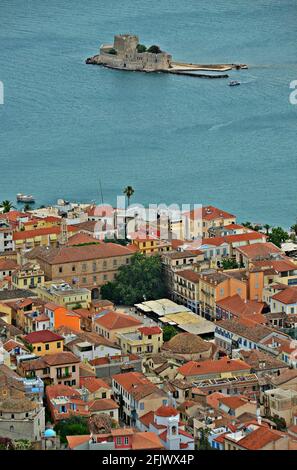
(278,236)
(141,279)
(6,206)
(141,48)
(74,426)
(154,49)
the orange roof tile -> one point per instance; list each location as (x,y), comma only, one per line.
(213,367)
(166,411)
(114,321)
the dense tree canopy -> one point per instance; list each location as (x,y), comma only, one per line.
(168,332)
(278,236)
(154,49)
(229,263)
(74,426)
(140,280)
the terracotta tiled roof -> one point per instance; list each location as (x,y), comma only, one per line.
(80,238)
(72,254)
(233,402)
(114,321)
(43,336)
(249,236)
(41,232)
(93,384)
(187,343)
(278,266)
(236,305)
(166,411)
(51,360)
(103,404)
(146,440)
(147,419)
(8,265)
(259,250)
(54,391)
(75,441)
(259,438)
(287,296)
(213,367)
(189,275)
(150,330)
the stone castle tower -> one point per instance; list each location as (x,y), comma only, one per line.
(123,54)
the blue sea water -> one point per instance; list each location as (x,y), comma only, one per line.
(64,125)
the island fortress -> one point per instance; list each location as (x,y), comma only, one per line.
(126,53)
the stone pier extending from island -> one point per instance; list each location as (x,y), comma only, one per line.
(126,53)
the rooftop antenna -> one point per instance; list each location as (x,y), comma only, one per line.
(101,193)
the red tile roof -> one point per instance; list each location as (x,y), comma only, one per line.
(287,296)
(189,275)
(237,306)
(150,330)
(103,404)
(225,364)
(166,411)
(230,239)
(259,438)
(114,321)
(8,264)
(260,250)
(41,232)
(44,336)
(93,384)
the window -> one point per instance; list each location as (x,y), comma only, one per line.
(111,414)
(126,440)
(141,406)
(73,268)
(47,347)
(39,348)
(58,344)
(119,440)
(103,394)
(73,368)
(60,269)
(84,280)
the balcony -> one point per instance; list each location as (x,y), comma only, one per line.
(64,375)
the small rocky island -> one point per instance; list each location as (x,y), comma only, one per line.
(126,53)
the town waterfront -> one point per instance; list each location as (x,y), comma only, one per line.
(65,125)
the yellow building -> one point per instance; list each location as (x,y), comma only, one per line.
(147,340)
(63,294)
(151,246)
(42,222)
(45,342)
(28,277)
(5,312)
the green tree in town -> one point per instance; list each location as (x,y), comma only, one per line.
(6,206)
(142,278)
(168,332)
(74,426)
(229,263)
(267,228)
(294,228)
(128,191)
(203,443)
(247,225)
(278,236)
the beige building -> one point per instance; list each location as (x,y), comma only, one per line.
(63,294)
(186,289)
(22,419)
(89,266)
(281,403)
(146,340)
(112,324)
(60,368)
(27,277)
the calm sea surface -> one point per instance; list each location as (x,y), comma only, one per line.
(65,125)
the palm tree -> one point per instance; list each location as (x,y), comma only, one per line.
(6,206)
(294,228)
(128,191)
(267,227)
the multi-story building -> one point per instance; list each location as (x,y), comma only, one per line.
(281,403)
(147,340)
(174,261)
(6,237)
(39,237)
(63,294)
(45,342)
(110,324)
(186,289)
(59,368)
(28,276)
(136,395)
(213,369)
(7,266)
(88,266)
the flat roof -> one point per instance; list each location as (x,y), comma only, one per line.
(161,307)
(189,322)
